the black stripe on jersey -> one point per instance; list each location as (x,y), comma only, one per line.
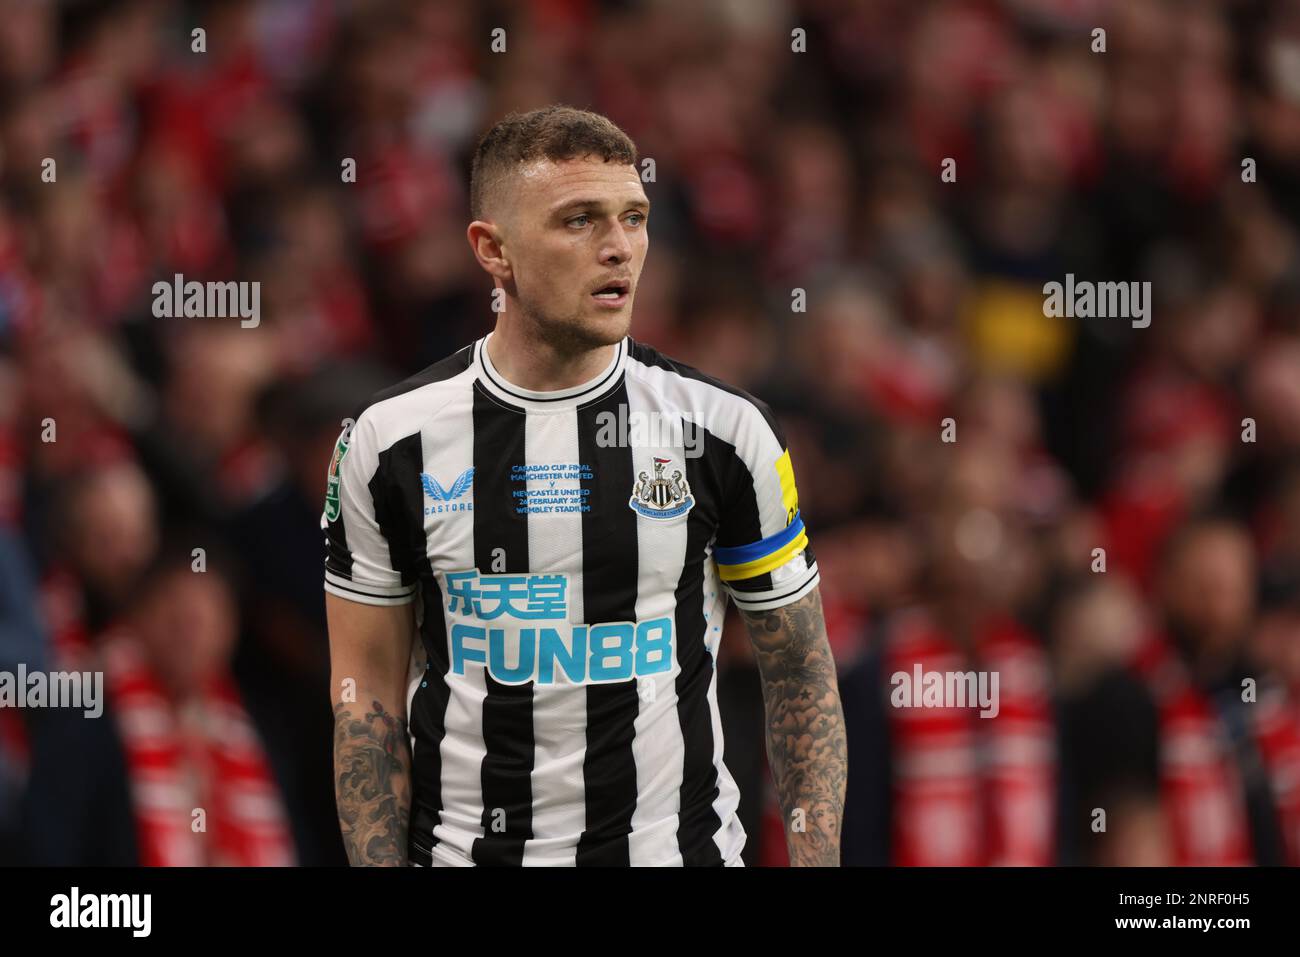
(358,591)
(697,821)
(428,722)
(402,522)
(393,504)
(508,709)
(741,602)
(739,521)
(609,593)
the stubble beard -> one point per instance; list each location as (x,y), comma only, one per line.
(576,335)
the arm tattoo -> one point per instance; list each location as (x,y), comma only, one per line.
(805,725)
(372,764)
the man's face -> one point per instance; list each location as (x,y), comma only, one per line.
(568,229)
(1210,586)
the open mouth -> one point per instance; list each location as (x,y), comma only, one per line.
(613,294)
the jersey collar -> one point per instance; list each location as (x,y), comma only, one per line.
(559,400)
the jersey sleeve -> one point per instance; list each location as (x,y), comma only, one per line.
(762,551)
(359,563)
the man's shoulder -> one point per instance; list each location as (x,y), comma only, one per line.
(421,395)
(710,388)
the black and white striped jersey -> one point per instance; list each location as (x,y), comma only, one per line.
(570,554)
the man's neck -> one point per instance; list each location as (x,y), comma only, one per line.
(531,362)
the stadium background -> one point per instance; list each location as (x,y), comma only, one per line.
(775,170)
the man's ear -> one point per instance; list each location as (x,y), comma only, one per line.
(485,241)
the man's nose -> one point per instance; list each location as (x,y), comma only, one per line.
(616,248)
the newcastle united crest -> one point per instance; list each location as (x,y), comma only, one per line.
(661,497)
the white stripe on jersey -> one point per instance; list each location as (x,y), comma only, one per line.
(559,714)
(661,551)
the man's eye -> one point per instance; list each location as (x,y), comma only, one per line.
(575,219)
(638,217)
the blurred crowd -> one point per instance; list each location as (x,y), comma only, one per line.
(1115,529)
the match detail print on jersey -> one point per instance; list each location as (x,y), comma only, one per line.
(570,554)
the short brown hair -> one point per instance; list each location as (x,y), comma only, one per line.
(553,133)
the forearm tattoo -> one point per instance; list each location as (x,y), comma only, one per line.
(805,726)
(372,766)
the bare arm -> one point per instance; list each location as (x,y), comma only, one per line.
(805,726)
(371,645)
